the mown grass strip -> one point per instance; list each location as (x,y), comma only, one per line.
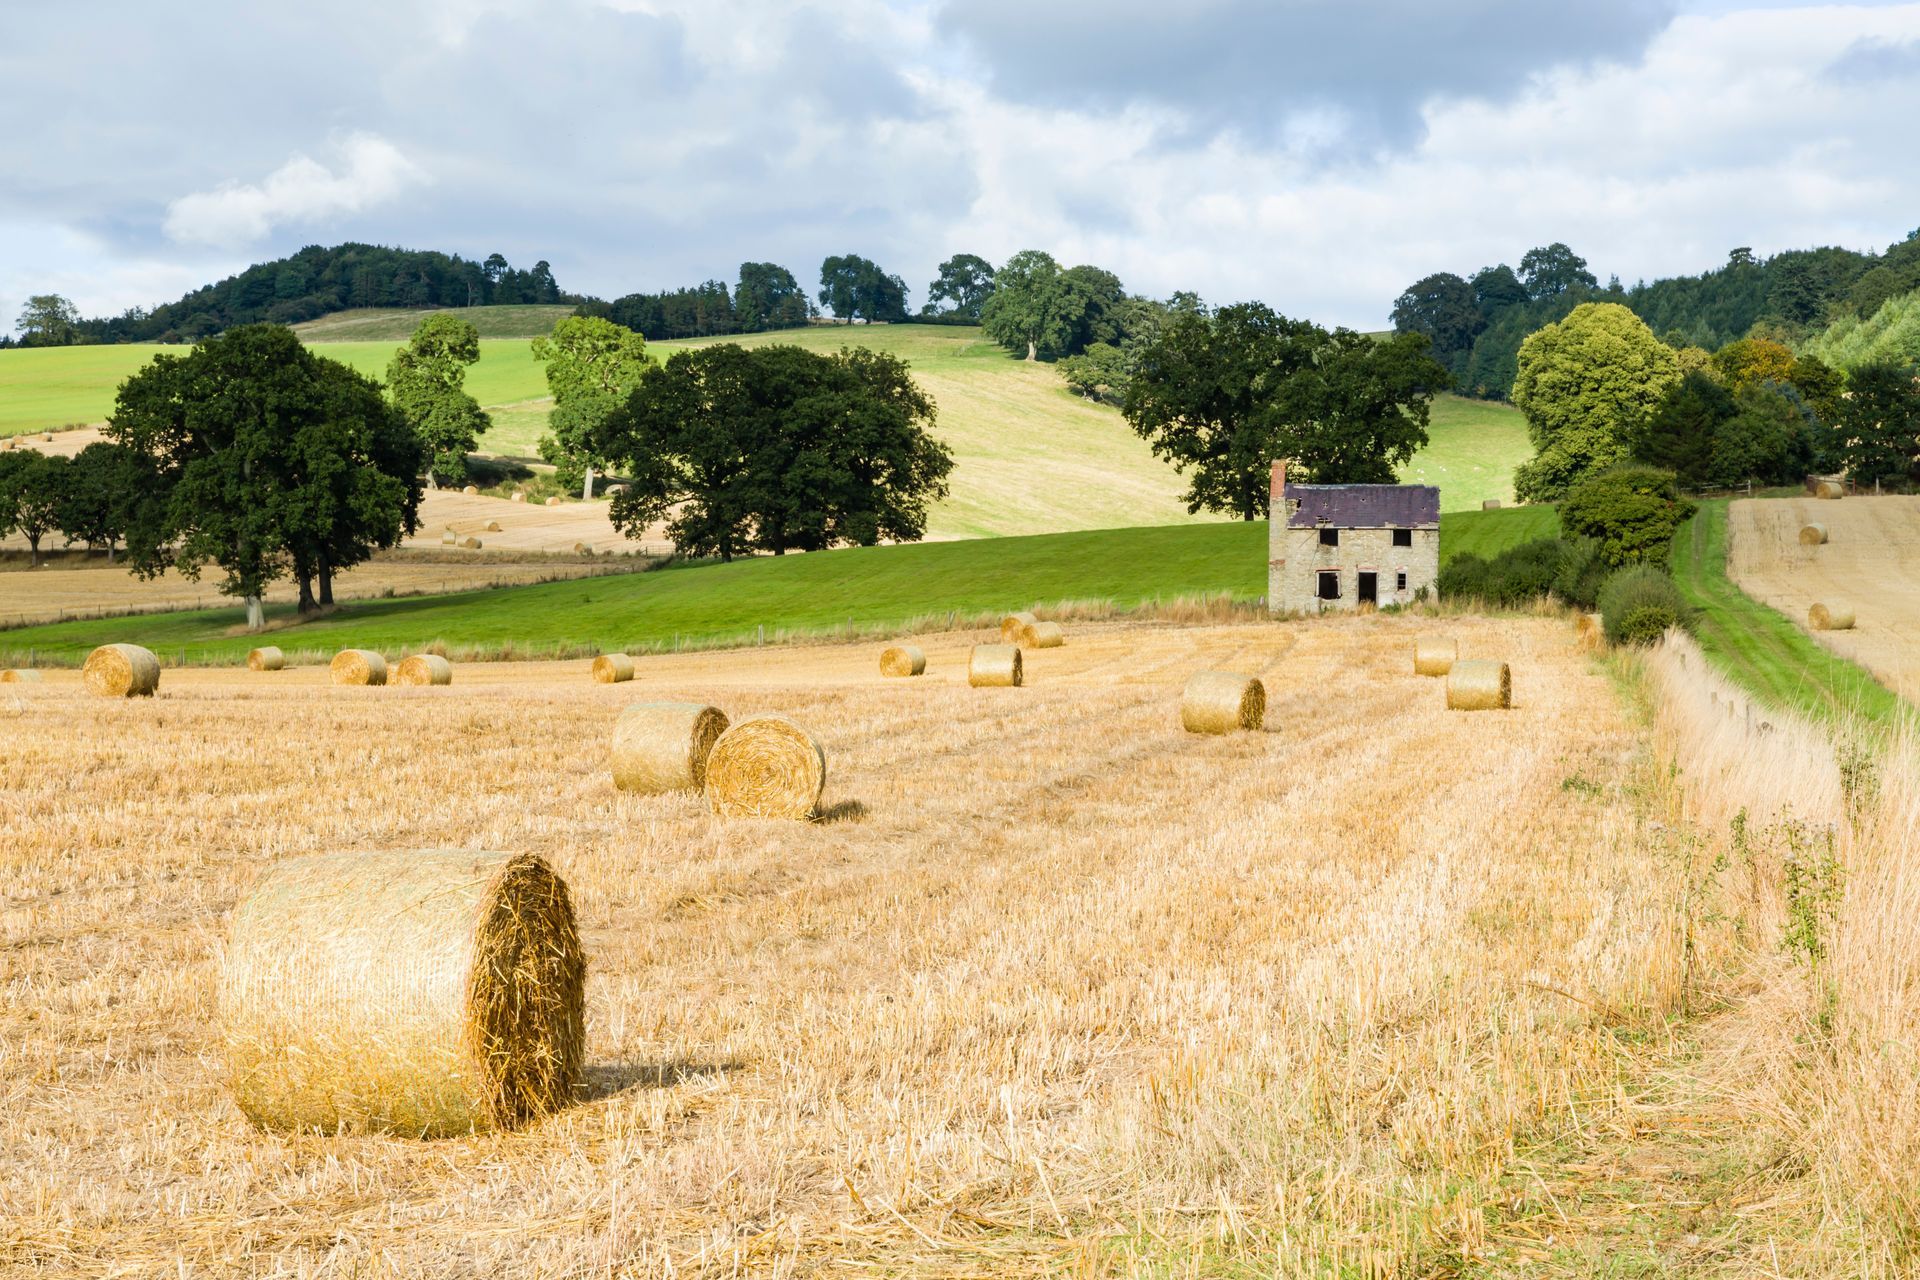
(1760,648)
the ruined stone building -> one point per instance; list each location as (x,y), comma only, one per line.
(1341,546)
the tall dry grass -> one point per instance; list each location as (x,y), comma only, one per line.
(1815,843)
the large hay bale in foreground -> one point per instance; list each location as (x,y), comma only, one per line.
(1479,686)
(358,666)
(423,668)
(612,668)
(1221,702)
(664,746)
(1829,490)
(121,671)
(902,660)
(994,666)
(266,658)
(1830,617)
(1434,655)
(766,767)
(422,993)
(20,675)
(1813,535)
(1014,626)
(1043,635)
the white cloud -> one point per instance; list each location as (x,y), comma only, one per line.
(370,171)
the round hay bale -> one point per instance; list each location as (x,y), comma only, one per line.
(358,666)
(20,675)
(664,746)
(1813,535)
(1221,702)
(449,539)
(902,660)
(1043,635)
(471,491)
(1591,630)
(491,526)
(49,437)
(1830,490)
(422,993)
(266,658)
(1434,655)
(583,548)
(995,666)
(121,671)
(1489,504)
(1830,617)
(1015,625)
(423,668)
(554,501)
(612,668)
(470,544)
(1479,686)
(766,767)
(614,490)
(519,496)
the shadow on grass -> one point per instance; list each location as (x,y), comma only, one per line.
(609,1079)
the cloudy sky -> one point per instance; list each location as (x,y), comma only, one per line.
(1316,154)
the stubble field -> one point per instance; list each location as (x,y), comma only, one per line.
(1052,987)
(1870,564)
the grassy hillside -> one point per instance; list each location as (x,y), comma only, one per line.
(709,604)
(1032,456)
(387,324)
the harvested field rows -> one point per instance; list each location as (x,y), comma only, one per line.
(1870,564)
(1052,986)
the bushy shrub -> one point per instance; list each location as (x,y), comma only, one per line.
(1583,569)
(1515,576)
(1639,603)
(1632,510)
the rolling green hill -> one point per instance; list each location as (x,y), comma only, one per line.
(823,593)
(386,324)
(1032,456)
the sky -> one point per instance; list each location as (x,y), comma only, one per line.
(1317,155)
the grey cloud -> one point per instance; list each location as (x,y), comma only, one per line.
(1252,66)
(1878,60)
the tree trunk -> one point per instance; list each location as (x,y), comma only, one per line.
(1033,349)
(256,614)
(433,481)
(586,490)
(326,582)
(35,544)
(307,603)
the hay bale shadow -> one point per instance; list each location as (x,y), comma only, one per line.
(844,811)
(611,1079)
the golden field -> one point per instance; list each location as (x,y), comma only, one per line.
(1052,988)
(1870,564)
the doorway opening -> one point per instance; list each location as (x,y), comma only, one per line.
(1369,590)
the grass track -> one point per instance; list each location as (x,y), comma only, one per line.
(1761,648)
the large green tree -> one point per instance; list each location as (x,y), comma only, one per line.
(775,449)
(1222,396)
(593,365)
(1632,511)
(427,381)
(965,281)
(48,320)
(768,297)
(266,462)
(1039,310)
(1586,386)
(1878,428)
(1554,269)
(1678,434)
(31,488)
(1444,308)
(109,488)
(854,288)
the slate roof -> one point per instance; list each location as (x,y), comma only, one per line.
(1364,506)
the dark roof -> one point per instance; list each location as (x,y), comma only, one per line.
(1364,506)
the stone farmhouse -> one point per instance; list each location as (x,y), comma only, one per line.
(1342,546)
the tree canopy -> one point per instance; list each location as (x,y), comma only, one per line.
(592,366)
(853,288)
(1586,386)
(48,320)
(1878,429)
(1223,395)
(427,380)
(32,485)
(966,282)
(267,460)
(1631,511)
(776,448)
(1447,310)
